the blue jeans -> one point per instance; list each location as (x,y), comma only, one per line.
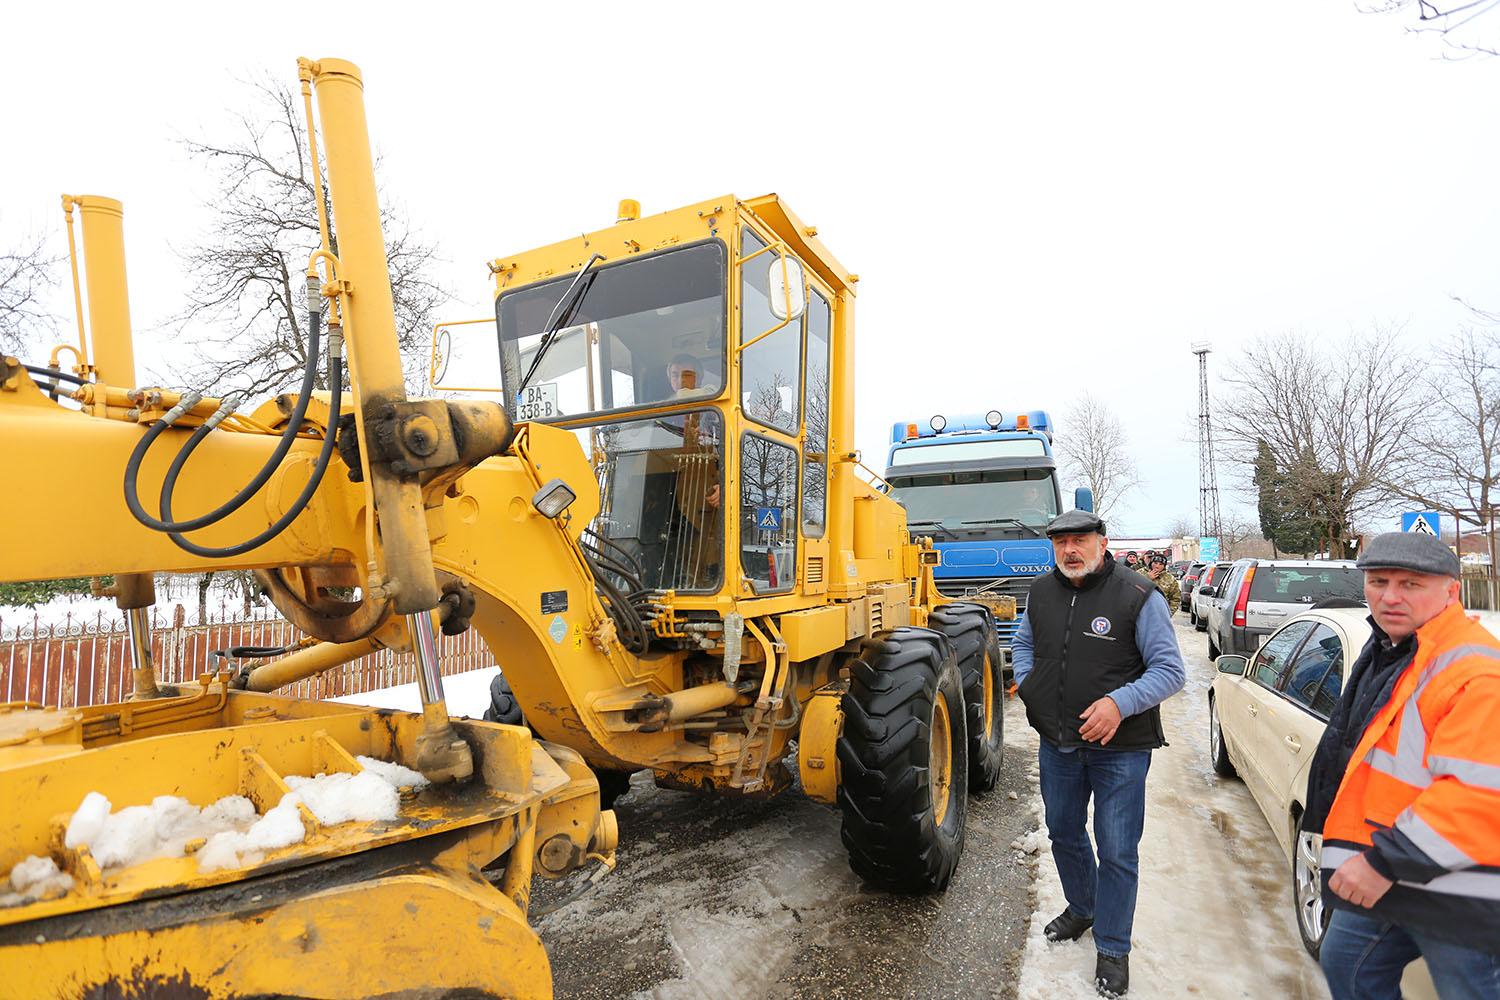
(1116,780)
(1363,958)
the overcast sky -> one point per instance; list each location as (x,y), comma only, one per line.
(1041,200)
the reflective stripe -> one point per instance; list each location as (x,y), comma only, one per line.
(1479,885)
(1406,764)
(1437,847)
(1451,656)
(1468,771)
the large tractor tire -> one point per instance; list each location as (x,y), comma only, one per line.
(976,647)
(503,705)
(613,785)
(904,763)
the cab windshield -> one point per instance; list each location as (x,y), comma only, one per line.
(989,501)
(645,331)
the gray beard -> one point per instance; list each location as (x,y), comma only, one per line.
(1077,576)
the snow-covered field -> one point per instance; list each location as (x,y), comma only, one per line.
(92,612)
(466,694)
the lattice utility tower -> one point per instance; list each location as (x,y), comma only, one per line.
(1208,484)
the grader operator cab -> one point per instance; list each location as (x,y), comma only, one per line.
(738,585)
(660,535)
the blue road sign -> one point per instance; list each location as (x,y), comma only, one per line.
(1208,549)
(768,518)
(1424,523)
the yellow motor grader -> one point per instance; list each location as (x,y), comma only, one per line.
(660,531)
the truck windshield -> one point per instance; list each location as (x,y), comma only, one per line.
(951,498)
(645,331)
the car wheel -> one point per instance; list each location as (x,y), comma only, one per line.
(1307,889)
(976,648)
(904,762)
(1213,649)
(1216,748)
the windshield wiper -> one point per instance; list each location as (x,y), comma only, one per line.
(561,314)
(1000,520)
(934,524)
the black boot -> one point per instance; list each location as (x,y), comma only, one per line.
(1067,927)
(1112,975)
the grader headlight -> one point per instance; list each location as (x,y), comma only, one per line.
(554,498)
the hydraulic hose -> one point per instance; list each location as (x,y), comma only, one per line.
(336,380)
(53,373)
(294,424)
(175,529)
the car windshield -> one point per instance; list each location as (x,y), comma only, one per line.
(1306,584)
(644,331)
(985,499)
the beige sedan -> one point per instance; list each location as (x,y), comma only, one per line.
(1267,713)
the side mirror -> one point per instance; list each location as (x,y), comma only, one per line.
(1231,664)
(787,288)
(1083,499)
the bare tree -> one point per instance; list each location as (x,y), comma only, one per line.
(1456,462)
(1182,526)
(1453,20)
(1094,451)
(1333,423)
(1239,537)
(25,276)
(248,270)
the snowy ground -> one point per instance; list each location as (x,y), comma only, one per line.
(1214,917)
(466,694)
(171,590)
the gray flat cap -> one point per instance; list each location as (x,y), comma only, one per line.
(1075,522)
(1410,551)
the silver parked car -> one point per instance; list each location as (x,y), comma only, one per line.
(1259,595)
(1203,594)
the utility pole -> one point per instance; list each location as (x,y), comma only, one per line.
(1208,484)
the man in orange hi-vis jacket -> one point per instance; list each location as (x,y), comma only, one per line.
(1405,786)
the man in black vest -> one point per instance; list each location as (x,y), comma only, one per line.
(1094,656)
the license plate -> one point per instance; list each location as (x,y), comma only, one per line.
(537,402)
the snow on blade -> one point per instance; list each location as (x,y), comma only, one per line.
(233,834)
(35,878)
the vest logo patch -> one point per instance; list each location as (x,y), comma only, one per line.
(1100,626)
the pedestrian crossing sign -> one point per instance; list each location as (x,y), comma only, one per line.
(1424,523)
(768,518)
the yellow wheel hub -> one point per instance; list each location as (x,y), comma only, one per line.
(989,698)
(940,764)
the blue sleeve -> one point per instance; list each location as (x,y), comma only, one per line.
(1165,674)
(1020,650)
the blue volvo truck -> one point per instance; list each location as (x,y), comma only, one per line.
(983,486)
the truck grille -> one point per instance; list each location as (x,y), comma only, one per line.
(1016,587)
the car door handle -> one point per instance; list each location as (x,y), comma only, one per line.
(1293,742)
(1274,611)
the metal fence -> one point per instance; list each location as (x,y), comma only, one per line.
(86,661)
